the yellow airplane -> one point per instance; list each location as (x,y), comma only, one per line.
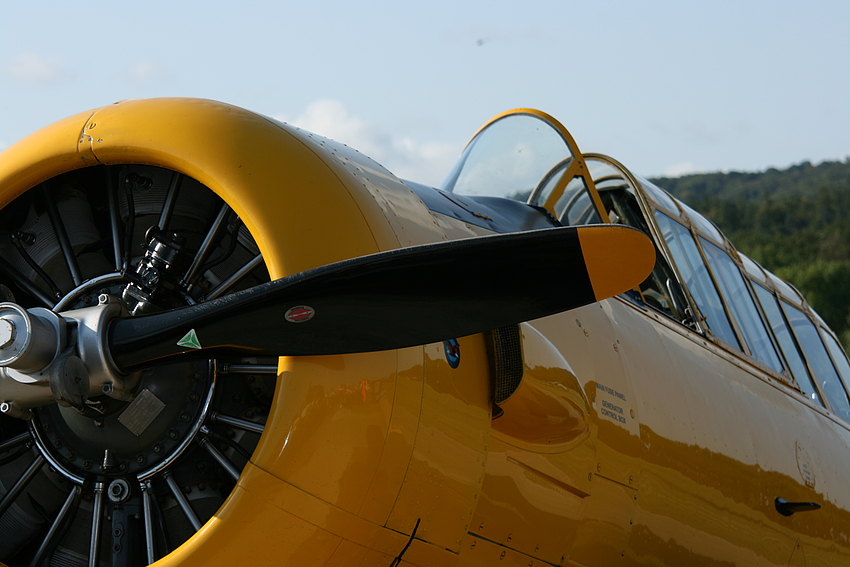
(211,351)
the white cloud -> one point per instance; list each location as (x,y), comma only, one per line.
(425,162)
(32,69)
(143,72)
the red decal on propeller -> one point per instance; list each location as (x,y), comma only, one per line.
(299,314)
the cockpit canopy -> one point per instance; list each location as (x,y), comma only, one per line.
(700,280)
(527,156)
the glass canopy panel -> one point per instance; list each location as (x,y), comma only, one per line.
(839,358)
(786,290)
(686,255)
(819,360)
(753,270)
(741,304)
(574,206)
(786,341)
(605,176)
(658,196)
(702,224)
(508,158)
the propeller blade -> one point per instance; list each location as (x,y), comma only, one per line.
(400,298)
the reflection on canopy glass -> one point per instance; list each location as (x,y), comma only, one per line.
(508,158)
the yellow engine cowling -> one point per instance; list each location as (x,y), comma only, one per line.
(359,450)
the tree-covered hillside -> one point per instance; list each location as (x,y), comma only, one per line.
(794,222)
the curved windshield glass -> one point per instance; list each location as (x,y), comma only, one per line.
(508,158)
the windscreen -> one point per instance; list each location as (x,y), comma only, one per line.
(508,158)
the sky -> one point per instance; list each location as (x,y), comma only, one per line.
(665,87)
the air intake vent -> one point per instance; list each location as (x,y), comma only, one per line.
(507,361)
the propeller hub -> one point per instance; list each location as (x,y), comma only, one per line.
(42,362)
(29,340)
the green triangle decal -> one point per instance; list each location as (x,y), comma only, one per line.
(190,340)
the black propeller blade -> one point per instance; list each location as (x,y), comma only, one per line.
(400,298)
